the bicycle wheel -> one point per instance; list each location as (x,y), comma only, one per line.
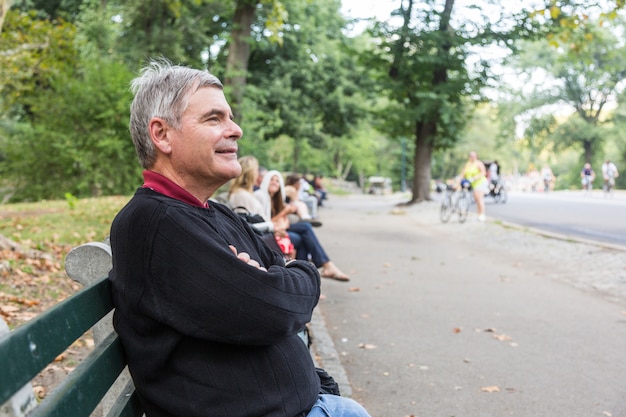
(462,206)
(445,211)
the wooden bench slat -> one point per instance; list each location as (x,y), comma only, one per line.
(81,391)
(127,403)
(27,350)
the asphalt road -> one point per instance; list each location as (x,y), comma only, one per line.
(470,320)
(570,213)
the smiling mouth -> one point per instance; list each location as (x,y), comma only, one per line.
(227,151)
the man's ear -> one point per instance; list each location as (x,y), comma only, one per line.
(159,134)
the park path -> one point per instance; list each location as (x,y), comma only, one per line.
(470,320)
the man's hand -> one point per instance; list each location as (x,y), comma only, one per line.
(246,258)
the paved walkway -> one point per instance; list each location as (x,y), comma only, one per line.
(473,319)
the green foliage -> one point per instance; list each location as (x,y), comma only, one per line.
(585,75)
(71,200)
(50,9)
(81,149)
(33,52)
(305,88)
(316,100)
(184,31)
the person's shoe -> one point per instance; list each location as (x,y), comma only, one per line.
(313,222)
(481,218)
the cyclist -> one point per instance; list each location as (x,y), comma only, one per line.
(587,176)
(609,173)
(474,171)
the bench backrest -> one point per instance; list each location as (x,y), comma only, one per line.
(27,350)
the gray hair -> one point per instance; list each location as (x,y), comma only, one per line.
(162,90)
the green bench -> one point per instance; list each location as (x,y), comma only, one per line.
(30,348)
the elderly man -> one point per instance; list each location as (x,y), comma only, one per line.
(208,315)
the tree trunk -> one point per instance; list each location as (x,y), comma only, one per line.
(239,53)
(588,149)
(422,157)
(4,9)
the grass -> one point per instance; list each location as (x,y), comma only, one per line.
(48,224)
(32,275)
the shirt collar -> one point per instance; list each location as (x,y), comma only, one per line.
(165,186)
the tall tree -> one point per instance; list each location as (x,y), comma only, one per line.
(429,84)
(306,88)
(585,74)
(273,17)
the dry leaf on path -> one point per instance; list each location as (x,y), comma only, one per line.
(367,346)
(492,388)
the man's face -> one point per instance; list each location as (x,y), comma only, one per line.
(204,149)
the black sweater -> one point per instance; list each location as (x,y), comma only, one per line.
(204,333)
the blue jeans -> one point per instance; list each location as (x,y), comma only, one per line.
(305,241)
(336,406)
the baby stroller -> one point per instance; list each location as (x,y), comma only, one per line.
(497,189)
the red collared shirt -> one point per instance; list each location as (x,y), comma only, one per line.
(165,186)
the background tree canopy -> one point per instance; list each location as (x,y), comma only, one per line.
(407,99)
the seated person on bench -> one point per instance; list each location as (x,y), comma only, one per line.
(207,314)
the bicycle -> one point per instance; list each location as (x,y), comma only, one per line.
(455,201)
(587,183)
(609,186)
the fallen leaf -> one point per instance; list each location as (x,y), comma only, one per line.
(456,330)
(40,391)
(9,309)
(492,388)
(367,346)
(607,414)
(501,337)
(354,289)
(490,330)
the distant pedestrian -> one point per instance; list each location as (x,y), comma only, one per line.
(548,178)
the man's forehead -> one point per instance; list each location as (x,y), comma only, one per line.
(210,99)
